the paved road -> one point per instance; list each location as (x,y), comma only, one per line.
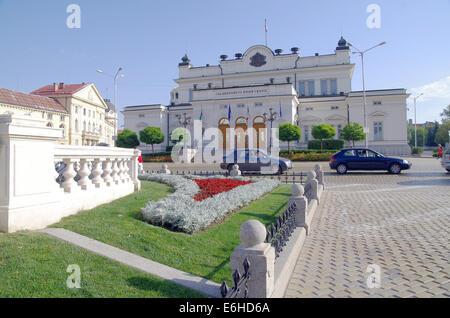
(399,224)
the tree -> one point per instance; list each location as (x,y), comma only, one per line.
(152,136)
(446,113)
(421,136)
(442,136)
(323,131)
(431,134)
(127,139)
(353,132)
(289,132)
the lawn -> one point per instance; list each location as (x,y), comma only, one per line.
(33,264)
(206,253)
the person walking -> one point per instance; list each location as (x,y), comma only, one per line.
(440,151)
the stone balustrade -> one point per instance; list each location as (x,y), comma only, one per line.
(96,167)
(269,276)
(34,195)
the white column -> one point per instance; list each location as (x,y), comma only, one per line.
(97,170)
(107,170)
(84,172)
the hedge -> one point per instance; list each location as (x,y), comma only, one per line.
(327,144)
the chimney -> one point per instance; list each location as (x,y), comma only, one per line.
(55,87)
(61,85)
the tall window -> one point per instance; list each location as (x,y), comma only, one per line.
(301,88)
(333,87)
(306,129)
(311,90)
(339,130)
(378,131)
(76,125)
(323,87)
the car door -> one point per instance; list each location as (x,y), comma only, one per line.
(368,160)
(349,158)
(377,161)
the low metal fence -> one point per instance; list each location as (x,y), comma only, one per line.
(287,177)
(240,286)
(281,230)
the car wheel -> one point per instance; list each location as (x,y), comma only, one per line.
(341,169)
(280,170)
(395,168)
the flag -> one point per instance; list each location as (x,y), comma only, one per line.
(265,25)
(248,113)
(201,114)
(229,112)
(281,114)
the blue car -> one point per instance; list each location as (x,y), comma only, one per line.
(255,160)
(366,159)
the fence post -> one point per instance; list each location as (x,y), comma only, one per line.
(301,203)
(261,257)
(313,185)
(319,174)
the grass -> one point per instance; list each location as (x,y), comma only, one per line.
(33,264)
(205,254)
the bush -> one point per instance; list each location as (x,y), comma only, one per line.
(169,148)
(416,150)
(286,152)
(329,144)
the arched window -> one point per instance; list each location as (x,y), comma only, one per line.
(84,126)
(49,125)
(224,121)
(241,121)
(63,128)
(76,125)
(258,120)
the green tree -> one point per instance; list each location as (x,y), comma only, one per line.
(127,139)
(421,136)
(323,131)
(431,134)
(446,113)
(353,132)
(442,136)
(289,132)
(152,136)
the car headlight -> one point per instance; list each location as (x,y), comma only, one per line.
(406,162)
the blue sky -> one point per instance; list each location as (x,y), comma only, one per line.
(148,38)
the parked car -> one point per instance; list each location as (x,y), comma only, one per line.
(366,159)
(445,161)
(255,160)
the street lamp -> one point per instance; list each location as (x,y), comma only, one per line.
(115,94)
(272,117)
(361,53)
(415,120)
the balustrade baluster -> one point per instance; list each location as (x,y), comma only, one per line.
(107,170)
(84,173)
(97,170)
(69,174)
(115,171)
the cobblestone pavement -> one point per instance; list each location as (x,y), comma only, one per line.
(379,235)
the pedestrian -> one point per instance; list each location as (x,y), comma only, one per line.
(440,151)
(141,164)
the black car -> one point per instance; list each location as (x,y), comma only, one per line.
(255,160)
(366,159)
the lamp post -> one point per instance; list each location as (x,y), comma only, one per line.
(272,117)
(415,120)
(115,95)
(361,53)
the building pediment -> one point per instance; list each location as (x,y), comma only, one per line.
(378,113)
(91,95)
(335,117)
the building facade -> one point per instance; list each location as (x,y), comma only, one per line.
(243,91)
(48,109)
(93,120)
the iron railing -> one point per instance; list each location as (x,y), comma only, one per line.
(240,283)
(281,230)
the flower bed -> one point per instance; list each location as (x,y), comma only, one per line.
(211,187)
(180,211)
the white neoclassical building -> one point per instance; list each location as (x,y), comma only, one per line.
(241,92)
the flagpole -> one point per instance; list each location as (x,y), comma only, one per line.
(265,29)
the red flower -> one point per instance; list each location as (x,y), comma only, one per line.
(211,187)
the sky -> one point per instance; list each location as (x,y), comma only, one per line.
(148,39)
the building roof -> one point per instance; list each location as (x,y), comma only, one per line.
(59,89)
(29,100)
